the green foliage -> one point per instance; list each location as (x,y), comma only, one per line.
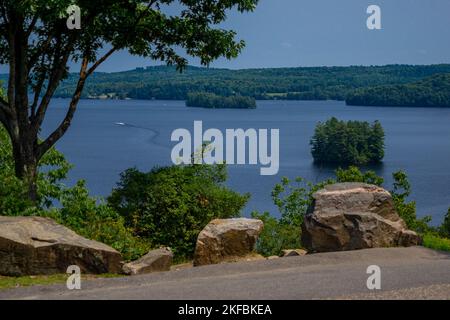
(407,210)
(276,235)
(445,228)
(316,83)
(213,101)
(53,168)
(430,92)
(78,211)
(435,242)
(169,206)
(354,174)
(351,142)
(292,199)
(95,220)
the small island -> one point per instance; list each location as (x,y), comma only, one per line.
(348,143)
(213,101)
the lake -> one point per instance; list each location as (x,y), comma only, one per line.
(417,141)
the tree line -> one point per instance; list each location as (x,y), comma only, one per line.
(314,83)
(433,91)
(213,101)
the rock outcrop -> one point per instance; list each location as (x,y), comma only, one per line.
(154,261)
(350,216)
(226,239)
(36,245)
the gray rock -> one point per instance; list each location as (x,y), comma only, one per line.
(36,245)
(409,238)
(226,239)
(154,261)
(350,216)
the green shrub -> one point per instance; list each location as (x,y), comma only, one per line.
(95,220)
(276,235)
(352,142)
(171,205)
(445,228)
(354,174)
(407,210)
(292,199)
(435,242)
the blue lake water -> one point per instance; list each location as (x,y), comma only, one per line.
(417,141)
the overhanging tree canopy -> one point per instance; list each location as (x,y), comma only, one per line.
(38,47)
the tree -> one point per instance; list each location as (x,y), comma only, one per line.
(351,142)
(170,206)
(38,47)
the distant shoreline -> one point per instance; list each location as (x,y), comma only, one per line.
(344,104)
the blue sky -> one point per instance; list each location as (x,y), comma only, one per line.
(289,33)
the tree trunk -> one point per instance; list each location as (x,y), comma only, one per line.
(26,167)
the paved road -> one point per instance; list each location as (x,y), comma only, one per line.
(407,273)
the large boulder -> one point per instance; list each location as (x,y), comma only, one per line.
(36,245)
(226,239)
(350,216)
(154,261)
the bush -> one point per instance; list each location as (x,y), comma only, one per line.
(407,210)
(292,200)
(171,205)
(351,142)
(95,220)
(435,242)
(276,235)
(353,174)
(445,228)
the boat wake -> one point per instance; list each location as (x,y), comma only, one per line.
(153,139)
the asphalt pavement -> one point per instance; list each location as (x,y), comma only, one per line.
(406,273)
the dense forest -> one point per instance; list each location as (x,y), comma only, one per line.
(214,101)
(433,91)
(313,83)
(351,142)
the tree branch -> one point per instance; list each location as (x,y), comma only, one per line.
(65,124)
(31,26)
(58,69)
(100,61)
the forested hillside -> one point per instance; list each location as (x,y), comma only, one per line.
(315,83)
(430,92)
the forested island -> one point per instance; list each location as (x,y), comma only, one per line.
(348,143)
(213,101)
(312,83)
(433,91)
